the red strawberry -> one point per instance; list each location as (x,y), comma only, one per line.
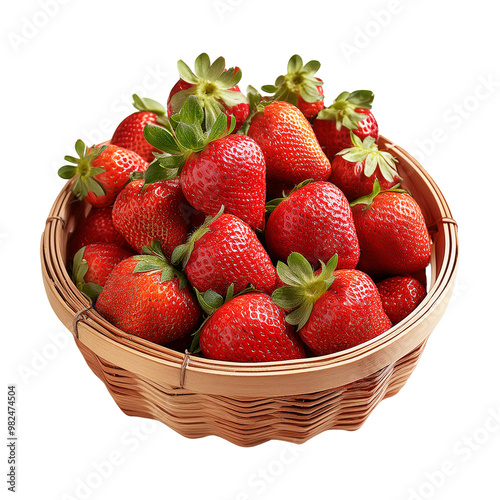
(214,86)
(93,264)
(316,221)
(250,328)
(101,172)
(334,310)
(299,87)
(400,296)
(225,251)
(129,133)
(147,297)
(349,112)
(97,227)
(392,233)
(355,169)
(289,145)
(157,211)
(216,169)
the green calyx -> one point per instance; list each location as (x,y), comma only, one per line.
(146,104)
(154,259)
(299,80)
(367,151)
(272,204)
(303,287)
(183,252)
(343,110)
(210,84)
(181,136)
(84,170)
(368,198)
(80,268)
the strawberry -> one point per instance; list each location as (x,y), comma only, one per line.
(129,133)
(400,296)
(101,172)
(216,169)
(97,227)
(225,251)
(392,234)
(145,296)
(157,211)
(215,87)
(249,328)
(299,87)
(316,221)
(93,264)
(355,169)
(333,309)
(350,111)
(290,148)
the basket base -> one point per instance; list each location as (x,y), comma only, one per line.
(249,422)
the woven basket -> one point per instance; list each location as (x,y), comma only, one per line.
(249,404)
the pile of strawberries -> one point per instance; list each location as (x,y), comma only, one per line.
(247,227)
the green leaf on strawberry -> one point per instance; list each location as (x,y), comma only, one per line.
(368,199)
(79,270)
(147,104)
(367,150)
(303,286)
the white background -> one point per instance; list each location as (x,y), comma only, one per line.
(68,71)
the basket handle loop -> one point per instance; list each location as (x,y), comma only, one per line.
(433,228)
(56,217)
(185,363)
(78,316)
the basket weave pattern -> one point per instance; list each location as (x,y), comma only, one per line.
(250,403)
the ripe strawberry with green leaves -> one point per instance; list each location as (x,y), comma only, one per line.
(246,328)
(350,111)
(146,296)
(333,309)
(101,172)
(225,251)
(129,133)
(291,150)
(157,211)
(315,220)
(97,227)
(216,168)
(215,87)
(400,296)
(355,169)
(93,264)
(299,87)
(392,233)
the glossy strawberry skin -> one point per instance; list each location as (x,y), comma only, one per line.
(332,140)
(157,212)
(97,227)
(102,259)
(230,252)
(315,221)
(239,111)
(232,172)
(350,178)
(118,163)
(349,313)
(392,235)
(400,295)
(139,304)
(129,134)
(311,109)
(250,328)
(290,148)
